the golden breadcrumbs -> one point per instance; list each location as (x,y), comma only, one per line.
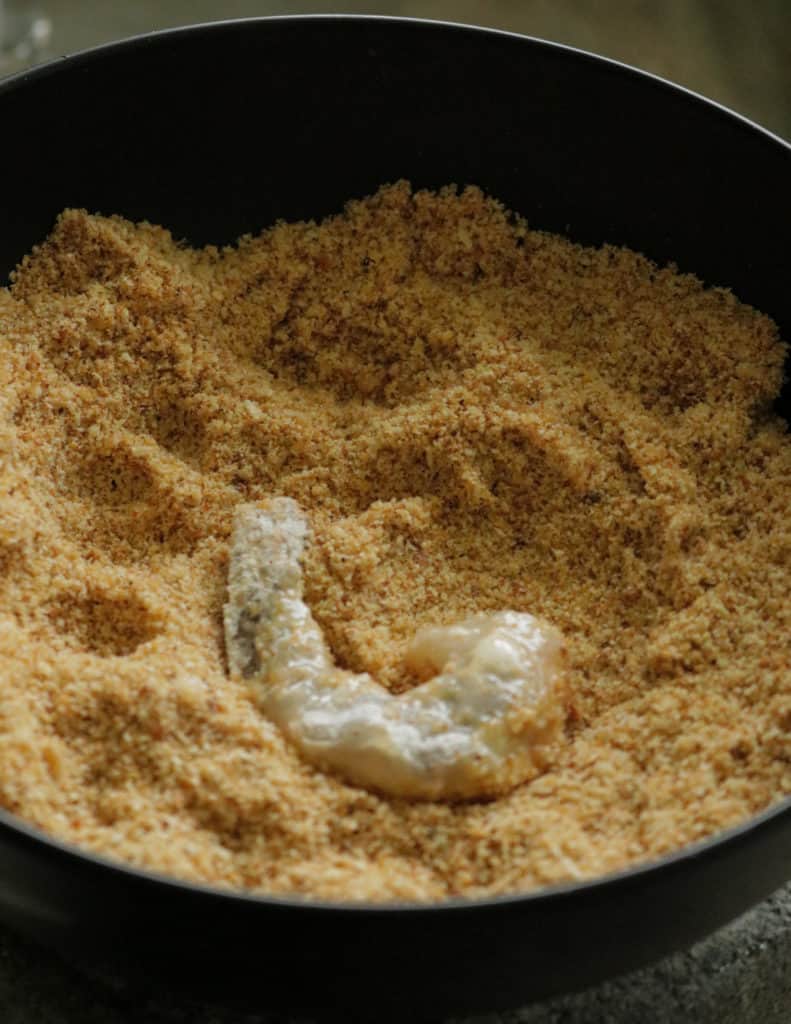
(477,416)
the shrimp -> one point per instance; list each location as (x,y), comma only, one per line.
(491,705)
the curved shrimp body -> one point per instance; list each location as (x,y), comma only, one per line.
(491,705)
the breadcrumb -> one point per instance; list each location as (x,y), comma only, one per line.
(476,416)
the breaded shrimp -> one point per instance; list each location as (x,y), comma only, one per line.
(482,722)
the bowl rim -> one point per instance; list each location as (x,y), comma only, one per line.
(25,834)
(87,55)
(31,836)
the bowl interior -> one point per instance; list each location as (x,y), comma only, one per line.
(220,130)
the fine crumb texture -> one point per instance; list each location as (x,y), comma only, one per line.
(476,416)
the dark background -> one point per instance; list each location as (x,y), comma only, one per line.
(735,52)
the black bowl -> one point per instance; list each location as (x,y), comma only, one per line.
(218,130)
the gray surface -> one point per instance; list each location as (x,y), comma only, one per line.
(740,975)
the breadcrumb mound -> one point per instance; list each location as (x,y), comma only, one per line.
(477,416)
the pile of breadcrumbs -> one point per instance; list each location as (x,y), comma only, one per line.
(477,416)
